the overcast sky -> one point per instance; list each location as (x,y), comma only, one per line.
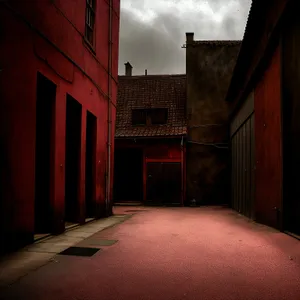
(152,32)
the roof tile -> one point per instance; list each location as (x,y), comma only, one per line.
(151,91)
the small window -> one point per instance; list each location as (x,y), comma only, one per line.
(158,116)
(139,117)
(154,116)
(90,21)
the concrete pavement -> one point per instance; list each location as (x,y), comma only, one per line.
(172,253)
(19,264)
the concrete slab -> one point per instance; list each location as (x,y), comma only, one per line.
(19,264)
(90,229)
(49,247)
(78,234)
(59,239)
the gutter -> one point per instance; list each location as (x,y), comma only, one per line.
(109,119)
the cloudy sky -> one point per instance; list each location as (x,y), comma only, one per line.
(152,32)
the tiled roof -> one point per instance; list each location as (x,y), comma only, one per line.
(217,42)
(151,91)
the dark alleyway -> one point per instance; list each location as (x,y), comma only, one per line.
(173,253)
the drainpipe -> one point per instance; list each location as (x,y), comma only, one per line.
(109,119)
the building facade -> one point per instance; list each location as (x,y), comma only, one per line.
(150,139)
(265,124)
(209,67)
(172,141)
(59,64)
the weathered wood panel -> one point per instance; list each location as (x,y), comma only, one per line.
(243,165)
(267,99)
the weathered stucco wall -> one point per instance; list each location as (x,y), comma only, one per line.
(209,67)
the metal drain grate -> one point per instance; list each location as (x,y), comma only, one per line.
(103,242)
(135,210)
(80,251)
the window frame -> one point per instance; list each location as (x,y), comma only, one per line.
(147,115)
(144,111)
(90,17)
(155,112)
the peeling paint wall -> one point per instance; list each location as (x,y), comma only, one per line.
(209,67)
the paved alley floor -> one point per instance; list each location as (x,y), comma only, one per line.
(172,253)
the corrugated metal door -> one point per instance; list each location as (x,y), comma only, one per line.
(243,159)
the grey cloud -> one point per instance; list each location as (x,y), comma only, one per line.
(157,46)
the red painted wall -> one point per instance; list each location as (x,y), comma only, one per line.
(155,150)
(47,37)
(268,143)
(165,153)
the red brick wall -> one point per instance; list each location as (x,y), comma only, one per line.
(268,143)
(64,58)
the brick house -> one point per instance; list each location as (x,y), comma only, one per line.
(149,139)
(265,122)
(58,85)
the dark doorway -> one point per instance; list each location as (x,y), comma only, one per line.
(73,145)
(163,183)
(45,105)
(90,165)
(128,185)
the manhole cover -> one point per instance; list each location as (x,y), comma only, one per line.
(103,242)
(135,210)
(80,251)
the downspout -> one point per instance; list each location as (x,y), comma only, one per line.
(109,119)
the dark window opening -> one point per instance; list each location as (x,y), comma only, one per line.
(90,21)
(153,116)
(158,116)
(139,117)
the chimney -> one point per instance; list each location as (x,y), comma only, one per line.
(189,37)
(128,69)
(146,72)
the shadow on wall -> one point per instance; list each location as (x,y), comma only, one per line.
(211,185)
(6,208)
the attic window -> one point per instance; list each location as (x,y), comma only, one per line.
(139,117)
(158,116)
(152,116)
